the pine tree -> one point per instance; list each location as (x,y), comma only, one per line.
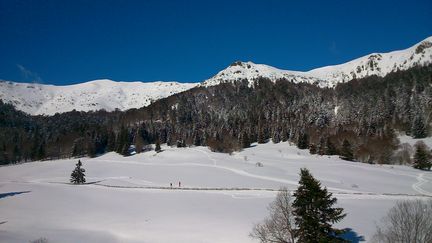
(314,211)
(245,141)
(347,152)
(418,129)
(111,146)
(422,157)
(16,153)
(303,141)
(78,176)
(157,146)
(330,148)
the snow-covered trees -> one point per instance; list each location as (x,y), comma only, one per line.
(280,225)
(78,176)
(422,157)
(418,129)
(219,116)
(314,211)
(406,222)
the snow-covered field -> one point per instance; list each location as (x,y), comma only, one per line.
(221,196)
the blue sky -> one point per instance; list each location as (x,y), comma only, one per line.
(72,41)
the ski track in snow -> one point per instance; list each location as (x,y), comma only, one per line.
(421,181)
(236,171)
(223,190)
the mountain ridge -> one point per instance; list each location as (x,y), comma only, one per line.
(41,99)
(379,64)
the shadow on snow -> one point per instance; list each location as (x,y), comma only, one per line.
(352,236)
(11,194)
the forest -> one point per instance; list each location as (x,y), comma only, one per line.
(358,120)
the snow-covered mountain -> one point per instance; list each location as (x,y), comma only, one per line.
(379,64)
(39,99)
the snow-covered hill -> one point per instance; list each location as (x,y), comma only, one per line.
(129,199)
(379,64)
(39,99)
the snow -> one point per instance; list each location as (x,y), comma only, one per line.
(412,141)
(379,64)
(248,70)
(128,199)
(40,99)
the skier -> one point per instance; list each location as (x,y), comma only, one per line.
(179,184)
(171,185)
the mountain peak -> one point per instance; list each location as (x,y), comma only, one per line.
(379,64)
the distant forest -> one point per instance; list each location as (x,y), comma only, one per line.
(358,120)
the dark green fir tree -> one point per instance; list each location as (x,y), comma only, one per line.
(347,151)
(422,157)
(157,146)
(78,176)
(314,211)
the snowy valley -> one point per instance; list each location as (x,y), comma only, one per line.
(129,199)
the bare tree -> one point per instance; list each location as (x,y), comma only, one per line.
(279,227)
(407,222)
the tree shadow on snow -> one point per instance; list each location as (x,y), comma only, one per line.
(11,194)
(352,236)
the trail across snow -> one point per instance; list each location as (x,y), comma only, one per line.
(129,199)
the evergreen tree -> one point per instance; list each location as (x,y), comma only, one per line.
(330,148)
(418,129)
(261,136)
(347,152)
(78,176)
(303,141)
(314,211)
(111,146)
(422,157)
(91,149)
(312,149)
(139,141)
(321,147)
(245,141)
(158,147)
(16,153)
(41,151)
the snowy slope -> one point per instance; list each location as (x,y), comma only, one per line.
(105,94)
(128,199)
(251,71)
(39,99)
(379,64)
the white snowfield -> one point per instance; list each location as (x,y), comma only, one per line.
(129,199)
(379,64)
(39,99)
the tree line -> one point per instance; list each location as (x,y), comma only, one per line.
(358,120)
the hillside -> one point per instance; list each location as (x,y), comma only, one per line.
(379,64)
(221,196)
(40,99)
